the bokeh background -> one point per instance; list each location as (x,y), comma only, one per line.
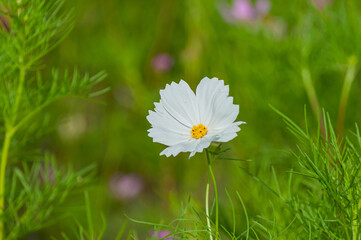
(258,47)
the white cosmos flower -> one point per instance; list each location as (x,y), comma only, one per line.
(189,122)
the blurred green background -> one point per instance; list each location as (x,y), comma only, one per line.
(143,45)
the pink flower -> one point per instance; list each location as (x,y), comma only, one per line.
(163,234)
(321,4)
(262,8)
(162,62)
(127,186)
(243,10)
(246,11)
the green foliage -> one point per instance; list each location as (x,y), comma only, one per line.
(90,232)
(195,223)
(192,223)
(36,27)
(35,196)
(33,188)
(327,204)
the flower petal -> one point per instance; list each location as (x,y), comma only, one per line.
(213,99)
(166,137)
(180,102)
(230,132)
(203,143)
(192,145)
(207,93)
(174,150)
(162,119)
(166,129)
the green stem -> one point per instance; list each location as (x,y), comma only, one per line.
(354,222)
(215,188)
(355,208)
(312,97)
(4,158)
(207,211)
(19,92)
(29,116)
(10,130)
(349,78)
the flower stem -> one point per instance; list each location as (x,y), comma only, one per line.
(312,97)
(350,76)
(10,131)
(355,222)
(207,211)
(4,157)
(209,160)
(19,92)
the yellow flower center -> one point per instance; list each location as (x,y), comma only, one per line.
(199,131)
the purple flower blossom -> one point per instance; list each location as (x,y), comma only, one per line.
(246,11)
(163,234)
(162,62)
(125,186)
(243,10)
(321,4)
(262,8)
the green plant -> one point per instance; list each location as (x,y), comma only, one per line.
(327,203)
(32,186)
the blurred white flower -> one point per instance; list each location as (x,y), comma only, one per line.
(189,122)
(72,127)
